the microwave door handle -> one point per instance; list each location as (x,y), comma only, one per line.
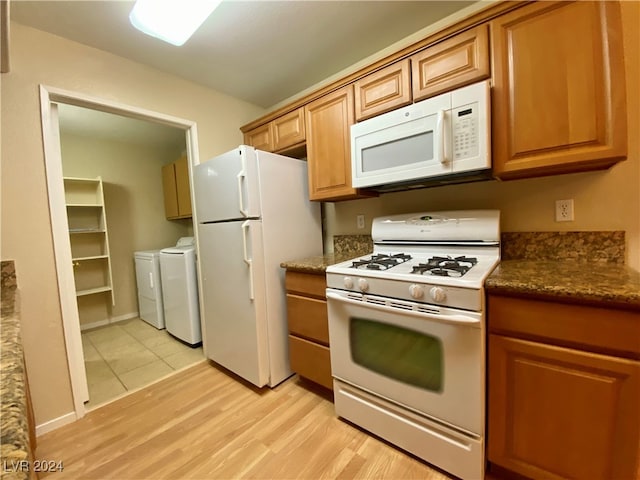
(439,150)
(450,318)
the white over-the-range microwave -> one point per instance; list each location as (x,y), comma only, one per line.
(444,139)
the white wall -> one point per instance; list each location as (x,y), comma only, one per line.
(41,58)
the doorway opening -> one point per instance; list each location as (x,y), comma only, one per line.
(103,308)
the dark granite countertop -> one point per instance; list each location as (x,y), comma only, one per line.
(599,284)
(317,265)
(15,446)
(533,265)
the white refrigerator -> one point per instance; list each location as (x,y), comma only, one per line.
(253,212)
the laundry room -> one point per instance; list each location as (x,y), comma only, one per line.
(115,173)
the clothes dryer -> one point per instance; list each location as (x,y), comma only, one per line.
(180,291)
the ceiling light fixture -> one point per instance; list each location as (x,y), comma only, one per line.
(173,21)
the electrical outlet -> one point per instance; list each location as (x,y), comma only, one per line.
(360,221)
(564,210)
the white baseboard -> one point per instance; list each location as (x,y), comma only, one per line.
(55,423)
(107,321)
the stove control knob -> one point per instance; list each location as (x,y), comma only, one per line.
(438,294)
(416,291)
(363,285)
(348,282)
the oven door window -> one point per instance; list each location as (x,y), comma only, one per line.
(404,355)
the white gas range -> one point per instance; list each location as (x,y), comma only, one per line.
(407,334)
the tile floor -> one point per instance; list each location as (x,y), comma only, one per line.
(128,355)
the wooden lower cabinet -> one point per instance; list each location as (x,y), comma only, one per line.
(308,327)
(560,411)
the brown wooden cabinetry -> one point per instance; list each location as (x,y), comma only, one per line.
(288,130)
(558,89)
(383,90)
(328,120)
(452,63)
(308,327)
(282,135)
(260,137)
(177,192)
(563,389)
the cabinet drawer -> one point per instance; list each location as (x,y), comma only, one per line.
(306,284)
(590,328)
(311,361)
(307,318)
(383,90)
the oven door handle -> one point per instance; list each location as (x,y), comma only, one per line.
(447,318)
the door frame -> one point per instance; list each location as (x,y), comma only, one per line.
(49,98)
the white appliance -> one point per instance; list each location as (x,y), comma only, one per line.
(149,285)
(180,291)
(407,333)
(443,139)
(252,213)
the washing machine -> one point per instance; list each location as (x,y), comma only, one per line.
(180,291)
(149,285)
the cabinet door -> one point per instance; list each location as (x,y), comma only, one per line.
(260,137)
(452,63)
(288,130)
(183,190)
(559,89)
(383,90)
(562,413)
(170,192)
(328,121)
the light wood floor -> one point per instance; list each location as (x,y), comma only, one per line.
(204,424)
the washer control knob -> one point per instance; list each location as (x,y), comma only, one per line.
(348,282)
(363,285)
(416,291)
(438,294)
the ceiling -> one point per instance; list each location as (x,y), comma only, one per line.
(93,123)
(262,52)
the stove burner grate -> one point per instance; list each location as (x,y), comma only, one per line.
(381,261)
(445,266)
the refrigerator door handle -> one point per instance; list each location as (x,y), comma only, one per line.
(245,230)
(151,280)
(241,176)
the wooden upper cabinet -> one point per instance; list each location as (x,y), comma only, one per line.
(177,190)
(280,135)
(328,121)
(260,137)
(288,130)
(384,90)
(452,63)
(183,188)
(558,89)
(169,190)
